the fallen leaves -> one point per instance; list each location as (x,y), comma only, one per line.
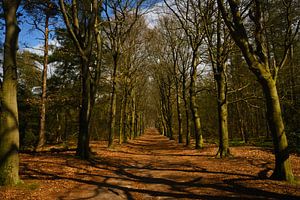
(151,167)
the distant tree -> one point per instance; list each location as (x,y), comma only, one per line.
(121,16)
(188,13)
(9,130)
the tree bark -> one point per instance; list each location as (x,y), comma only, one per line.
(194,106)
(283,169)
(9,130)
(83,142)
(222,114)
(186,107)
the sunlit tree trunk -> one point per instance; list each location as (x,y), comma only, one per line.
(9,130)
(283,169)
(186,108)
(259,64)
(194,106)
(222,113)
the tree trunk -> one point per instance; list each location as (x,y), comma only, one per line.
(179,117)
(186,107)
(194,106)
(42,137)
(125,129)
(283,169)
(222,114)
(169,114)
(9,130)
(132,117)
(121,121)
(259,64)
(113,104)
(83,149)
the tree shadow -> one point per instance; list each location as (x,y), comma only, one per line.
(99,184)
(140,175)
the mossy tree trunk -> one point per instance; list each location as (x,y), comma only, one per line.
(194,106)
(222,114)
(218,53)
(258,63)
(9,130)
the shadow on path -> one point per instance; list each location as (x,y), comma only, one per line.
(153,167)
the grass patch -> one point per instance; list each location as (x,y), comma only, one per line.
(28,186)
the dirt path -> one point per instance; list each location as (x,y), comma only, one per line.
(152,167)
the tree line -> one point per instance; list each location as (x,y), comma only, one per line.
(206,72)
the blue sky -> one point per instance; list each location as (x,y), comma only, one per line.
(29,36)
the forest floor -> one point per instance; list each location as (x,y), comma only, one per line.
(151,167)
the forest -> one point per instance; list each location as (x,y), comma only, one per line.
(149,99)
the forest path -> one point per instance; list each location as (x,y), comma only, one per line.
(151,167)
(154,167)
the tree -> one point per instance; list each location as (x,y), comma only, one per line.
(255,52)
(218,53)
(49,10)
(121,17)
(188,15)
(9,130)
(81,27)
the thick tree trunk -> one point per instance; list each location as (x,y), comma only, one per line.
(194,108)
(42,136)
(283,169)
(222,114)
(9,130)
(259,64)
(83,148)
